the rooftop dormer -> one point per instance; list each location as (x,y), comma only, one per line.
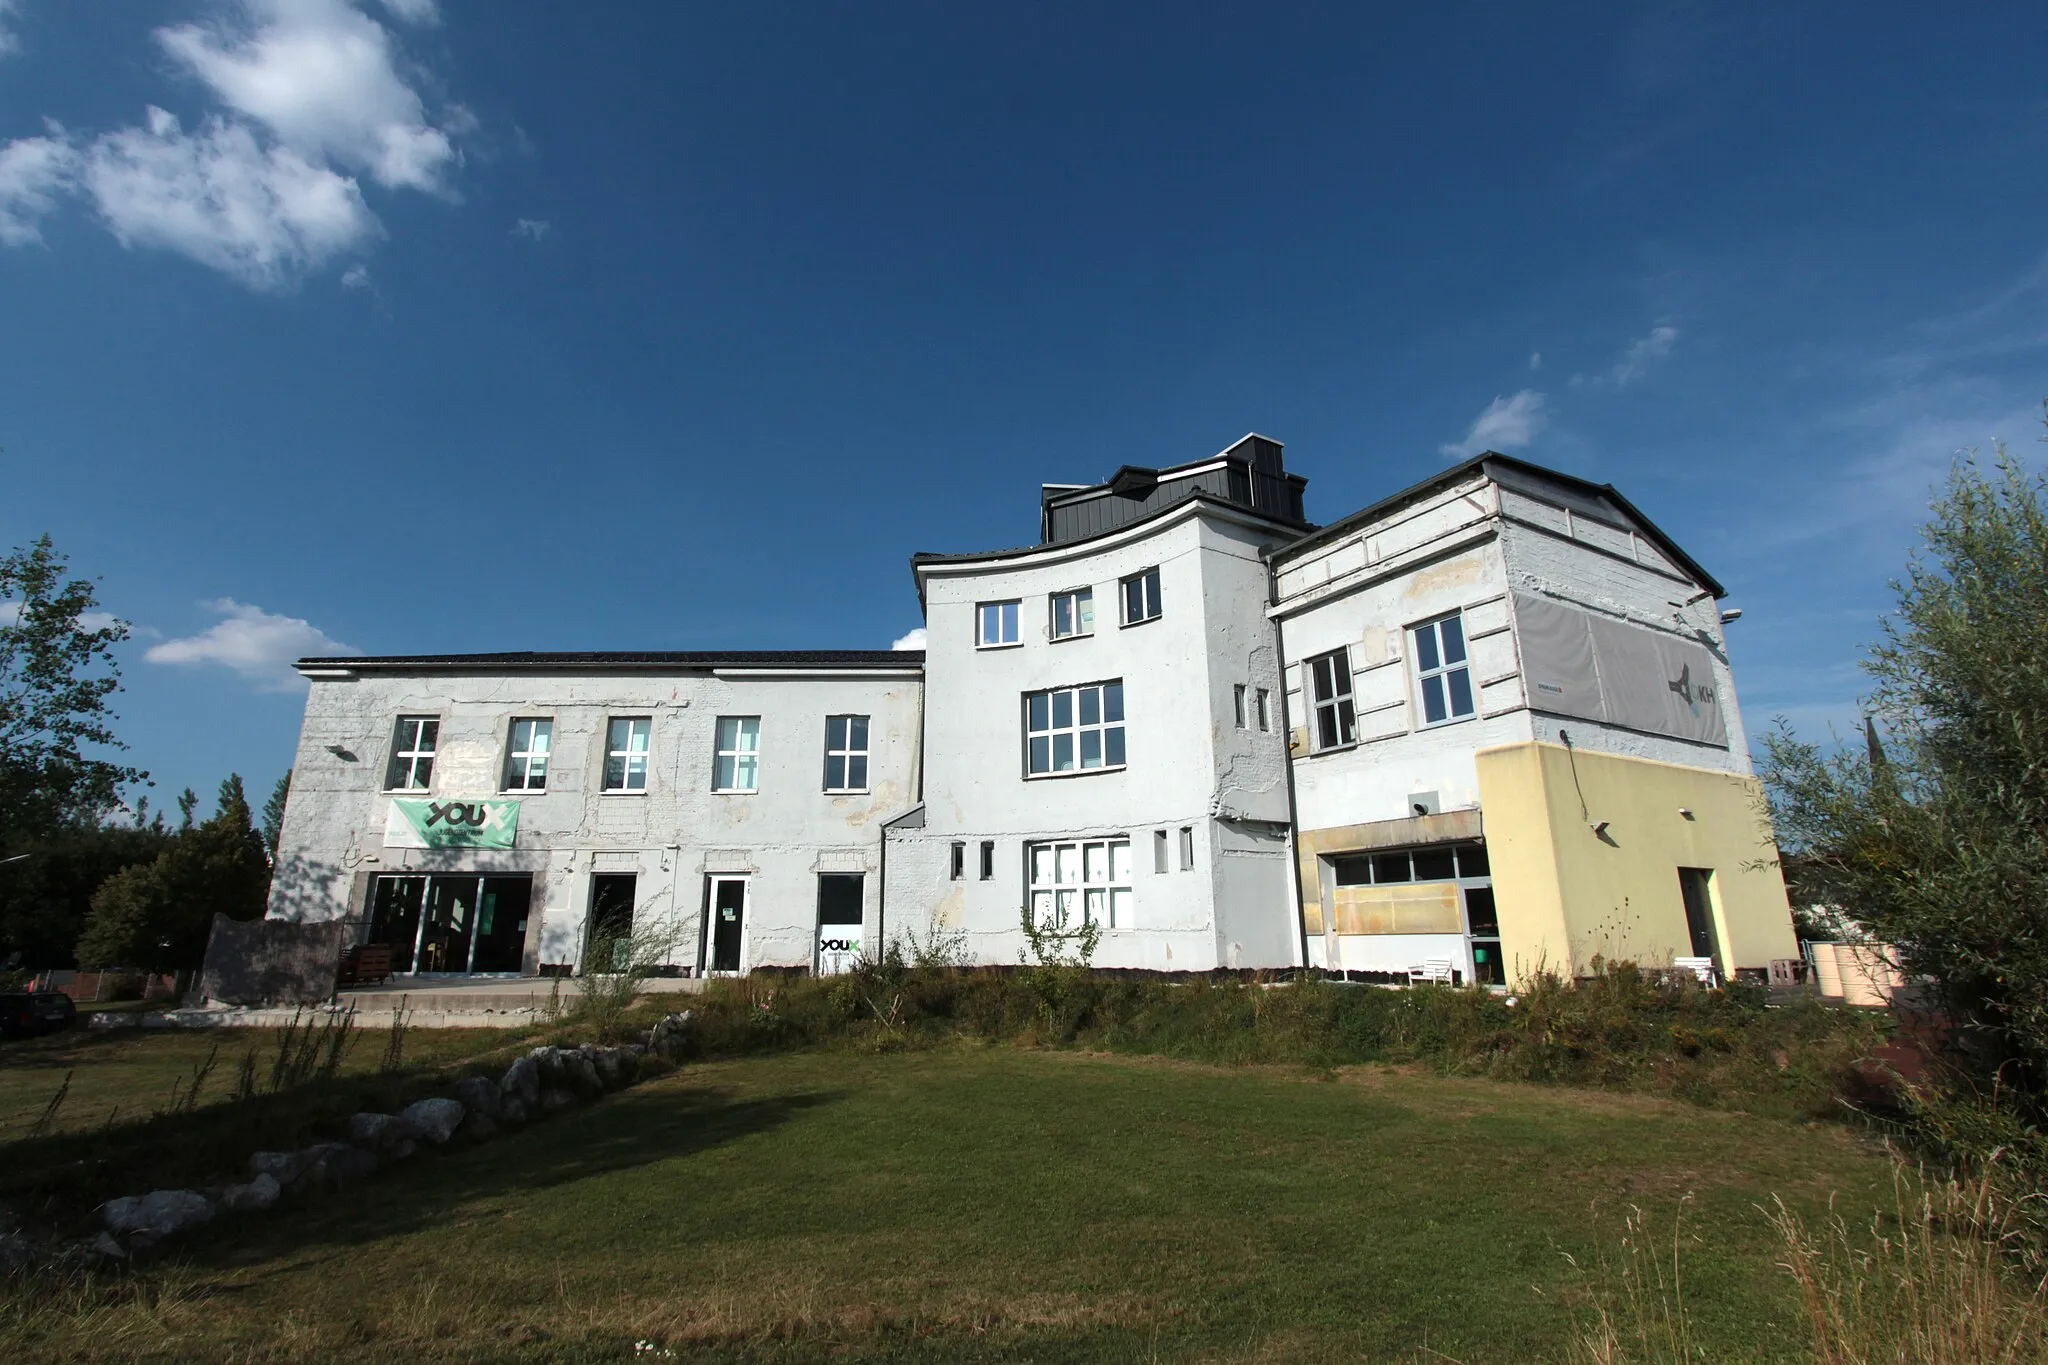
(1250,474)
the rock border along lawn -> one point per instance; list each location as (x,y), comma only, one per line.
(547,1080)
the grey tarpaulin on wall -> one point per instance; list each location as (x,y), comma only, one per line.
(1578,664)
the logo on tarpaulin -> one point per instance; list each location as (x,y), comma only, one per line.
(1689,692)
(421,822)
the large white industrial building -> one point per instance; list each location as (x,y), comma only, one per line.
(1488,722)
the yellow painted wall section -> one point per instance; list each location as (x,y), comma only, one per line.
(1566,895)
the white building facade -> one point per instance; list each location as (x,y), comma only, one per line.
(1484,727)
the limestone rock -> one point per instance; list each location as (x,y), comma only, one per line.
(283,1167)
(512,1112)
(477,1127)
(478,1095)
(435,1120)
(581,1074)
(673,1035)
(522,1081)
(380,1130)
(554,1100)
(253,1197)
(161,1212)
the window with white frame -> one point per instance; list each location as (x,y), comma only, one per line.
(1073,613)
(1265,709)
(738,768)
(1441,674)
(412,754)
(1087,881)
(846,753)
(1074,729)
(1329,684)
(998,624)
(625,753)
(1141,597)
(526,756)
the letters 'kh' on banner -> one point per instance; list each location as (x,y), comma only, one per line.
(424,822)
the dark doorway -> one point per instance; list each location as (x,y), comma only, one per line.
(395,917)
(1695,884)
(728,911)
(611,922)
(449,916)
(501,925)
(1483,923)
(839,921)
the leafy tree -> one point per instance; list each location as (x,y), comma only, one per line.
(1936,838)
(57,676)
(46,897)
(157,916)
(273,815)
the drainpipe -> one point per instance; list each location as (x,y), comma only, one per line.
(1287,756)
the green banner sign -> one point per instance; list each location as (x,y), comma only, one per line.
(424,822)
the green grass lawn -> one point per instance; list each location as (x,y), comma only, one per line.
(1002,1204)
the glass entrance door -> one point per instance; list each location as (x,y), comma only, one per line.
(445,925)
(728,923)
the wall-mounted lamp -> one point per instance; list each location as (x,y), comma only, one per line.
(1732,614)
(1599,829)
(1685,811)
(341,753)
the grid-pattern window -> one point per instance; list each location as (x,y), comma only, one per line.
(412,754)
(1237,703)
(739,754)
(846,753)
(526,757)
(1074,729)
(1084,882)
(1073,613)
(625,753)
(1441,672)
(998,624)
(1329,684)
(1265,709)
(1141,597)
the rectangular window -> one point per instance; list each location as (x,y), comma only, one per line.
(957,867)
(1329,682)
(1085,882)
(526,762)
(1265,709)
(1074,729)
(1141,597)
(998,624)
(625,753)
(846,753)
(412,754)
(1073,613)
(1237,703)
(739,754)
(1441,672)
(1187,848)
(1159,850)
(988,860)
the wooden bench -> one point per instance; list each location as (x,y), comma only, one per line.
(367,964)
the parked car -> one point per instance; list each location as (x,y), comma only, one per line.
(54,1009)
(18,1017)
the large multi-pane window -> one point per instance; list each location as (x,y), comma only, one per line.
(1073,613)
(1329,685)
(1141,597)
(997,624)
(1074,729)
(526,758)
(846,753)
(738,768)
(412,754)
(1087,881)
(625,753)
(1441,673)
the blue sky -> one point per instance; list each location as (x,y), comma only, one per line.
(414,326)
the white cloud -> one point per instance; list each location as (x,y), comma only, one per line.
(320,75)
(8,42)
(1535,360)
(254,643)
(534,229)
(10,612)
(263,215)
(266,190)
(914,640)
(423,12)
(356,277)
(33,172)
(1635,362)
(1506,424)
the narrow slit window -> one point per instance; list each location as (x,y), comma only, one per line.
(1264,701)
(958,866)
(1237,703)
(1159,850)
(988,860)
(1187,848)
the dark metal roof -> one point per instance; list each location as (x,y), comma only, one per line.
(1479,464)
(636,659)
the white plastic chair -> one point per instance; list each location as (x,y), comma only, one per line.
(1434,970)
(1700,967)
